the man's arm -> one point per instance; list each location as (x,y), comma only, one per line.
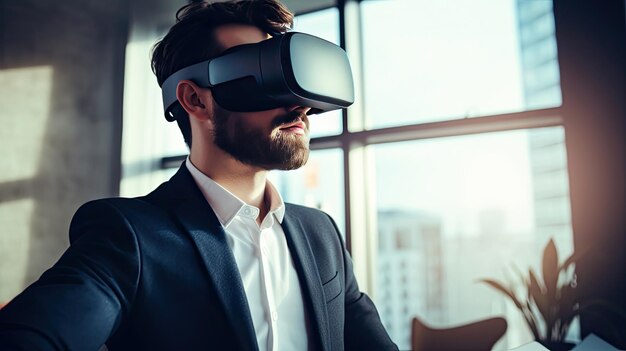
(363,329)
(79,302)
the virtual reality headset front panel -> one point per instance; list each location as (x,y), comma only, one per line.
(286,70)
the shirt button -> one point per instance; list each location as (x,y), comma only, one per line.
(247,211)
(274,316)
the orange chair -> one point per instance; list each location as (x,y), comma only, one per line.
(480,335)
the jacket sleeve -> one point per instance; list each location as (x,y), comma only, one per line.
(363,329)
(79,302)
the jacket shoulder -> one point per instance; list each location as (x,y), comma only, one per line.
(154,202)
(117,212)
(306,212)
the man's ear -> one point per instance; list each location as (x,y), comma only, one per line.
(196,101)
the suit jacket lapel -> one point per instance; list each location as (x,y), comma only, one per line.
(309,277)
(199,220)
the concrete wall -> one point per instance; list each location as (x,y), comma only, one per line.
(61,79)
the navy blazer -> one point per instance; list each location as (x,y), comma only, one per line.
(156,273)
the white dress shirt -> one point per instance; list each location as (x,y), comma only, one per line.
(265,264)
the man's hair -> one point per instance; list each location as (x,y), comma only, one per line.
(192,38)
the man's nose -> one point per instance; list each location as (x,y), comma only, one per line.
(303,109)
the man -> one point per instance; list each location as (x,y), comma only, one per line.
(212,259)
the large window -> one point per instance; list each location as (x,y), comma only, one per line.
(450,208)
(462,209)
(455,171)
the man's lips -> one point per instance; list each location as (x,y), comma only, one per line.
(296,128)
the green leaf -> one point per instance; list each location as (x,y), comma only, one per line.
(568,307)
(494,284)
(538,294)
(531,320)
(550,270)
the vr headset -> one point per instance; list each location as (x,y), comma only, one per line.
(288,69)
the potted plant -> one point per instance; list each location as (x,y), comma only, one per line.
(549,304)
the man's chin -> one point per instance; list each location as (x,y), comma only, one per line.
(290,166)
(294,162)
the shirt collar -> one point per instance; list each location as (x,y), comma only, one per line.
(225,204)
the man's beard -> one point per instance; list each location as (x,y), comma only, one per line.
(272,149)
